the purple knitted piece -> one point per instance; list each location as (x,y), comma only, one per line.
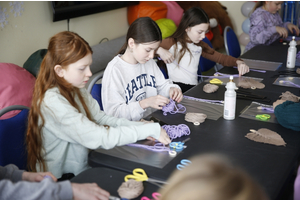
(298,55)
(172,108)
(176,131)
(173,132)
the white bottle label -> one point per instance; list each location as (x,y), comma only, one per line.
(229,107)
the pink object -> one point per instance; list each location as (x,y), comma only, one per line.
(16,87)
(175,12)
(297,186)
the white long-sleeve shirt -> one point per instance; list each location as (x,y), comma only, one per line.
(124,85)
(189,62)
(68,134)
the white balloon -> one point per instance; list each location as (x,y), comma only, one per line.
(247,7)
(244,39)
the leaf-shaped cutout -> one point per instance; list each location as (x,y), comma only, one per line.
(264,135)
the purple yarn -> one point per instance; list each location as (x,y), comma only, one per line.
(173,131)
(204,100)
(298,54)
(290,82)
(176,131)
(172,108)
(223,76)
(158,147)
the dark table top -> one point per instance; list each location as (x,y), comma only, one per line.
(110,180)
(270,165)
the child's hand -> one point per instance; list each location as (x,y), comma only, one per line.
(242,67)
(282,31)
(165,55)
(278,102)
(176,94)
(88,191)
(37,177)
(164,138)
(293,28)
(156,102)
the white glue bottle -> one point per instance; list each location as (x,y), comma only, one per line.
(230,100)
(291,57)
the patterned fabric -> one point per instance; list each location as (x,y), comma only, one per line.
(263,28)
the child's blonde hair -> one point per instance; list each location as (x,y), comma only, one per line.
(211,177)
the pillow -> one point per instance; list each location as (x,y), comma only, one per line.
(167,27)
(153,9)
(16,87)
(175,12)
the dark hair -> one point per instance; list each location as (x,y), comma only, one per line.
(192,17)
(142,30)
(64,49)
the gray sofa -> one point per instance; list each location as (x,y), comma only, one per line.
(103,53)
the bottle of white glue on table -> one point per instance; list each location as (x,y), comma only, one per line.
(291,57)
(230,100)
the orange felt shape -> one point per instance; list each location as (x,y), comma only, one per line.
(153,9)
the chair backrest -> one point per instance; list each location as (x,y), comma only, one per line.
(231,42)
(205,64)
(96,93)
(95,88)
(33,63)
(12,137)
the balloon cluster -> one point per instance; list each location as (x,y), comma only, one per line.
(246,8)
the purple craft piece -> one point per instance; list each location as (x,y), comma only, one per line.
(173,132)
(298,55)
(172,108)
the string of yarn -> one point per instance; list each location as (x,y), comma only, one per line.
(290,82)
(204,100)
(223,75)
(172,108)
(173,132)
(176,131)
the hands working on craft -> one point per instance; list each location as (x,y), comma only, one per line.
(242,67)
(80,191)
(168,58)
(163,137)
(283,32)
(159,101)
(37,177)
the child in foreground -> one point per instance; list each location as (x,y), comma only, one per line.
(211,176)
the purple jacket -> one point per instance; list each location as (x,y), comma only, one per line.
(263,28)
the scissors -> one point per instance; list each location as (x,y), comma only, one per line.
(263,117)
(139,174)
(183,163)
(155,196)
(178,145)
